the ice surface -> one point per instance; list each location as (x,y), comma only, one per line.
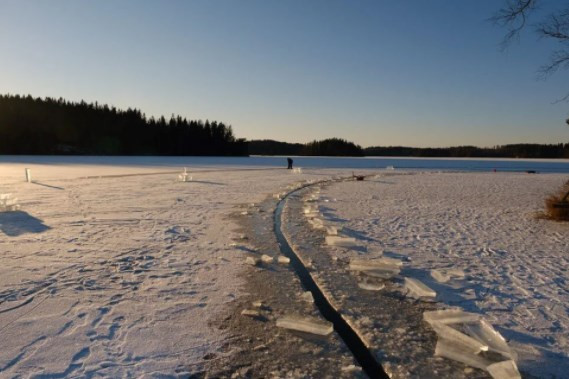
(450,350)
(504,370)
(283,260)
(304,324)
(458,339)
(418,288)
(340,241)
(451,316)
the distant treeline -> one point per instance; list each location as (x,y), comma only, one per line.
(326,147)
(338,147)
(522,150)
(55,126)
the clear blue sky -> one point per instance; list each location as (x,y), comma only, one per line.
(377,72)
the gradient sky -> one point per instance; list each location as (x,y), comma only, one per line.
(376,72)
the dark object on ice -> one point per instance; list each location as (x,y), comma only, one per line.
(289,163)
(531,172)
(358,177)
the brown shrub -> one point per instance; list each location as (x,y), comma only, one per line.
(555,208)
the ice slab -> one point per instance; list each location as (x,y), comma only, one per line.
(307,296)
(333,230)
(252,261)
(450,350)
(283,260)
(371,286)
(485,333)
(440,276)
(307,325)
(340,241)
(443,276)
(374,268)
(250,313)
(458,339)
(504,370)
(451,316)
(316,223)
(374,264)
(266,258)
(418,288)
(8,203)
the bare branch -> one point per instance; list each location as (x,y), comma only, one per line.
(513,16)
(559,59)
(556,26)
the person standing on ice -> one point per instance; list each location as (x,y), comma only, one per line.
(289,163)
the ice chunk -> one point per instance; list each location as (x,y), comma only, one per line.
(351,369)
(252,261)
(332,230)
(450,350)
(8,203)
(504,370)
(266,258)
(283,260)
(370,286)
(374,264)
(485,333)
(418,288)
(250,313)
(374,268)
(443,276)
(458,339)
(184,176)
(307,296)
(456,273)
(316,223)
(257,304)
(440,276)
(340,241)
(391,261)
(307,325)
(451,316)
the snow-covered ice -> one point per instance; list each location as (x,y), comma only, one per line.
(119,268)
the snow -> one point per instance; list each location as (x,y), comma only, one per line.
(118,269)
(115,267)
(516,266)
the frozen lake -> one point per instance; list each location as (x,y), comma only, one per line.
(458,164)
